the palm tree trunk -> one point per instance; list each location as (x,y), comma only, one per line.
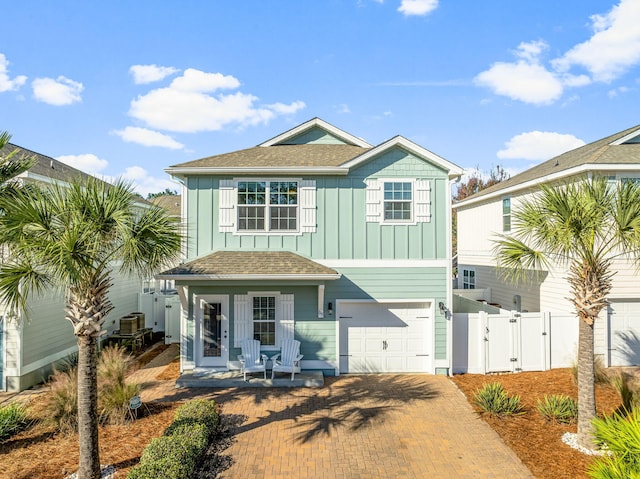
(586,385)
(89,464)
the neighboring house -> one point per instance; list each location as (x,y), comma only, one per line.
(31,345)
(488,213)
(318,235)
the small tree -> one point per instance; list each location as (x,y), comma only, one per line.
(72,237)
(582,226)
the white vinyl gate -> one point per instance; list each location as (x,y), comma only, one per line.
(510,341)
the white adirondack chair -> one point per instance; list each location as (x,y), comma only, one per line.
(251,360)
(288,359)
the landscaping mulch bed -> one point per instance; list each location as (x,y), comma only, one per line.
(536,441)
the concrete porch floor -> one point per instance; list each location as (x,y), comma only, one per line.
(234,379)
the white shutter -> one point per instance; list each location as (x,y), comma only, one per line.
(423,201)
(308,206)
(285,321)
(226,204)
(374,201)
(242,319)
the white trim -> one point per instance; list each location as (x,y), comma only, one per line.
(317,122)
(275,170)
(183,294)
(320,301)
(384,263)
(626,138)
(577,170)
(251,277)
(453,170)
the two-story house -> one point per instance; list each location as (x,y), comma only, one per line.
(481,217)
(317,235)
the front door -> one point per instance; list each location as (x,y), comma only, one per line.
(213,337)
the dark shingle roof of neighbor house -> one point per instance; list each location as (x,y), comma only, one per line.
(171,203)
(315,155)
(238,264)
(600,152)
(45,165)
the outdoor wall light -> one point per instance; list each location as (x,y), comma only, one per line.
(442,307)
(330,308)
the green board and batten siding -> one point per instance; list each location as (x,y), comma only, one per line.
(342,230)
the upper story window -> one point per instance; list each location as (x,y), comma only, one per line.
(267,206)
(259,206)
(394,201)
(398,198)
(506,214)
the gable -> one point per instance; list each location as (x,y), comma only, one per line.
(314,136)
(397,162)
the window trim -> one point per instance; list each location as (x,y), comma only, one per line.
(267,206)
(469,270)
(278,316)
(412,220)
(504,215)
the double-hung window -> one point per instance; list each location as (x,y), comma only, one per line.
(398,198)
(268,206)
(468,279)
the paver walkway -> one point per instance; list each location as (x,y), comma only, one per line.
(356,427)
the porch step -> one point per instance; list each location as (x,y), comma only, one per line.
(233,379)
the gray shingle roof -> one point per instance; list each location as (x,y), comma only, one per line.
(250,263)
(314,155)
(600,152)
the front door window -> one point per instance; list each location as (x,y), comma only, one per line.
(212,330)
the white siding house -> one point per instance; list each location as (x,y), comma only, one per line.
(486,214)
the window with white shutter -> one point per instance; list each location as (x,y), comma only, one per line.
(226,206)
(398,201)
(266,316)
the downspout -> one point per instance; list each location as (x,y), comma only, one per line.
(449,301)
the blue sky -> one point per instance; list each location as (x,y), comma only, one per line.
(124,88)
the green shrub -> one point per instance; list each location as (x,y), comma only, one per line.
(200,411)
(175,455)
(558,408)
(62,404)
(492,398)
(13,418)
(621,436)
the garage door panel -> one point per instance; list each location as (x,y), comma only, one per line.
(385,337)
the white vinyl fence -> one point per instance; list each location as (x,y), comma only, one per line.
(510,341)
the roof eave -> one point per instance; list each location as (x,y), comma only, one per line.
(576,170)
(298,170)
(250,277)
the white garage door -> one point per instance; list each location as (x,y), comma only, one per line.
(624,333)
(385,337)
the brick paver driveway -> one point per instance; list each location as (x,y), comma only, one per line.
(357,427)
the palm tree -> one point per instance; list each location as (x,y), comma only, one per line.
(11,165)
(582,226)
(74,237)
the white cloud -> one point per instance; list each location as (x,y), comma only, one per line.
(150,73)
(187,105)
(618,91)
(538,145)
(144,183)
(146,137)
(61,91)
(6,83)
(342,108)
(525,80)
(88,163)
(614,46)
(198,81)
(417,7)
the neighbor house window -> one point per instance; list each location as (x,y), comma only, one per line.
(506,214)
(468,279)
(397,201)
(264,320)
(267,205)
